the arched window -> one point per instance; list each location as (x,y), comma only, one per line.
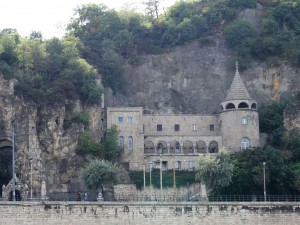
(159,148)
(149,147)
(213,147)
(253,106)
(221,108)
(121,142)
(130,142)
(201,147)
(230,106)
(243,105)
(188,147)
(245,143)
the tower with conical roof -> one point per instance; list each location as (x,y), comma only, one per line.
(239,117)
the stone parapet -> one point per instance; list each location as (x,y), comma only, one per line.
(149,213)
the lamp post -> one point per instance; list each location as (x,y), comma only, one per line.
(13,166)
(174,178)
(30,161)
(160,172)
(144,170)
(150,170)
(264,168)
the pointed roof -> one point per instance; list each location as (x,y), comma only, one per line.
(237,89)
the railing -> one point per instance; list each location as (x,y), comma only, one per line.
(158,197)
(254,198)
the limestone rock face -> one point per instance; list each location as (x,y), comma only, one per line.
(195,78)
(40,138)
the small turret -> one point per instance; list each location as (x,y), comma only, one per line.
(239,117)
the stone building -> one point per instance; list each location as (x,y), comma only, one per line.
(177,140)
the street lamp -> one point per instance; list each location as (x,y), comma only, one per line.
(264,168)
(160,172)
(30,161)
(150,168)
(174,178)
(144,170)
(13,166)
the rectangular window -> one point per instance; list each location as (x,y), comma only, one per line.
(177,127)
(194,127)
(159,127)
(191,164)
(211,127)
(244,121)
(129,119)
(178,165)
(164,165)
(120,119)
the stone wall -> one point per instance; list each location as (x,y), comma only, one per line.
(124,213)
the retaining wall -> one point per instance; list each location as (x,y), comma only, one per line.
(140,213)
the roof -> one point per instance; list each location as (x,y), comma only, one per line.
(237,90)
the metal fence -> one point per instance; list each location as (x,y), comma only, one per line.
(254,198)
(158,197)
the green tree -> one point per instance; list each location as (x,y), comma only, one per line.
(215,171)
(88,146)
(240,35)
(152,9)
(271,121)
(111,146)
(99,173)
(292,142)
(247,176)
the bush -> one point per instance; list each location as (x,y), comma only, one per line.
(183,178)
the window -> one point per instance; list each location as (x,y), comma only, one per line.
(129,119)
(244,121)
(159,148)
(177,147)
(164,165)
(177,127)
(130,142)
(120,119)
(194,127)
(211,127)
(245,143)
(121,142)
(159,127)
(191,164)
(178,165)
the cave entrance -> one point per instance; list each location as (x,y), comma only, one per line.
(5,162)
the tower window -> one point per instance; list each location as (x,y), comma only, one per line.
(177,127)
(129,119)
(244,121)
(194,127)
(211,127)
(120,119)
(245,143)
(159,127)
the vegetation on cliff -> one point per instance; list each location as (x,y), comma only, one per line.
(55,69)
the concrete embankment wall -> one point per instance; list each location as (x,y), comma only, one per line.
(140,213)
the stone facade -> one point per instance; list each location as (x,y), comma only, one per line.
(129,213)
(177,140)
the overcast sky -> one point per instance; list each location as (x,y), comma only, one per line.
(50,16)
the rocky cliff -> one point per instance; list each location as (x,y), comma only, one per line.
(41,139)
(195,78)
